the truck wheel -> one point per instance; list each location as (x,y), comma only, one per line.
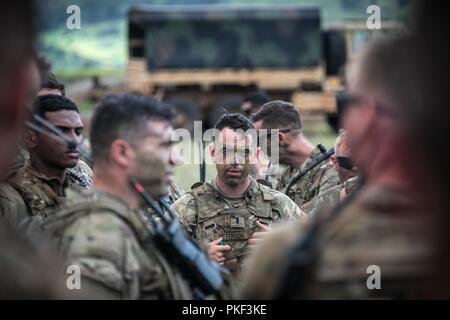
(187,111)
(231,103)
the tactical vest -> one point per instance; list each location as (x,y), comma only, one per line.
(39,197)
(174,288)
(235,225)
(12,206)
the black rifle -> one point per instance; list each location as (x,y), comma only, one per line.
(323,156)
(174,243)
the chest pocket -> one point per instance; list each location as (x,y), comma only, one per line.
(235,224)
(209,217)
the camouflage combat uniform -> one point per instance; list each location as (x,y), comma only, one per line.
(329,198)
(320,178)
(379,227)
(31,193)
(274,174)
(175,193)
(207,215)
(114,249)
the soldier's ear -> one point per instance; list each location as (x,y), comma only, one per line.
(333,161)
(212,150)
(282,137)
(121,153)
(29,139)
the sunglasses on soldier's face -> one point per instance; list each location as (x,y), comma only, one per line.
(345,162)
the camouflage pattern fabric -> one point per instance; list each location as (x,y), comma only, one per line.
(81,175)
(175,193)
(114,249)
(351,184)
(320,178)
(329,198)
(40,195)
(274,174)
(13,208)
(207,215)
(379,227)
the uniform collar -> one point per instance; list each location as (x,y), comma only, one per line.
(54,182)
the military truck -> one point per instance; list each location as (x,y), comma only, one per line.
(203,58)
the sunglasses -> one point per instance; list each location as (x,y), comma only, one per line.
(345,162)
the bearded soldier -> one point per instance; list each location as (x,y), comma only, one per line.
(384,229)
(296,152)
(103,230)
(343,164)
(232,212)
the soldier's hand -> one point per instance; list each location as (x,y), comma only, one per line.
(217,252)
(258,237)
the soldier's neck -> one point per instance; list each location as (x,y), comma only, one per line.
(116,185)
(298,152)
(48,170)
(388,171)
(233,191)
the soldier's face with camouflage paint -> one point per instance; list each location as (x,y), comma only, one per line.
(234,154)
(56,154)
(153,166)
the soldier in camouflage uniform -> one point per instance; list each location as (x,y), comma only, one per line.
(296,152)
(52,167)
(103,230)
(379,243)
(330,198)
(343,165)
(175,193)
(233,211)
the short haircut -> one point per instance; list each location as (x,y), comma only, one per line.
(341,138)
(279,114)
(50,81)
(124,116)
(52,103)
(257,98)
(234,121)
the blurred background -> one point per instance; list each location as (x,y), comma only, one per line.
(202,56)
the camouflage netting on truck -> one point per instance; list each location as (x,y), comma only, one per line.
(235,38)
